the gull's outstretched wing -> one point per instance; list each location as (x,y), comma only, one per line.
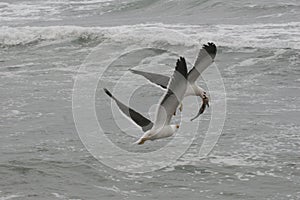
(173,96)
(205,57)
(139,119)
(157,79)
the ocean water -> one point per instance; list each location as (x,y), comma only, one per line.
(44,44)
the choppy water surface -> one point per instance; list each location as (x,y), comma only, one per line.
(43,44)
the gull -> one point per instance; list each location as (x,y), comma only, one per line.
(161,128)
(205,58)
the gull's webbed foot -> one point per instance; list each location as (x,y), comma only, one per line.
(142,141)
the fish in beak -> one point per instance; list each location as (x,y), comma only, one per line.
(205,102)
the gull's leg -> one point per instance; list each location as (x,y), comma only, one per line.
(181,107)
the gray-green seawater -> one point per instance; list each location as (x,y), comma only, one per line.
(44,43)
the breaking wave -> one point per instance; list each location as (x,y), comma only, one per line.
(232,36)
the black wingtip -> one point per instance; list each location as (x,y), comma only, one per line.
(163,86)
(107,92)
(181,66)
(211,49)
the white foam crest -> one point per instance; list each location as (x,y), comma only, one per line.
(12,36)
(239,36)
(21,11)
(13,196)
(275,36)
(151,35)
(24,35)
(47,10)
(78,2)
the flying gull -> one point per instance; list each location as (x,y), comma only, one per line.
(161,127)
(205,57)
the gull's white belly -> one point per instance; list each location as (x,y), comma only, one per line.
(166,131)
